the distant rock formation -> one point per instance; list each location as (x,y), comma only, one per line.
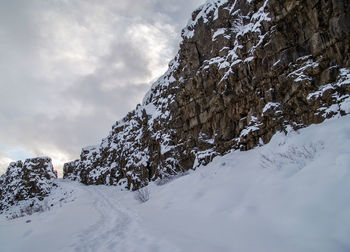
(245,70)
(23,181)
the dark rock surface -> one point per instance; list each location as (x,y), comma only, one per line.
(33,178)
(245,69)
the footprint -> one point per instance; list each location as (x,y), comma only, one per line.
(26,234)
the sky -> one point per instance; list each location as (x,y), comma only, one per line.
(70,68)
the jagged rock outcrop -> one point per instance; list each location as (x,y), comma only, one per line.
(31,179)
(245,69)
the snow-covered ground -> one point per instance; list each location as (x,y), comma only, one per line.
(289,195)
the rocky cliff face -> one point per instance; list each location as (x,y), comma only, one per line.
(245,69)
(32,179)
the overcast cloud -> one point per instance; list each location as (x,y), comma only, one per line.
(70,68)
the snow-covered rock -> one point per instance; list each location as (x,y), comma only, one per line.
(29,181)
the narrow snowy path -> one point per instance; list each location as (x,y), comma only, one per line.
(118,226)
(112,224)
(100,219)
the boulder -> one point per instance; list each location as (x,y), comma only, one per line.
(33,178)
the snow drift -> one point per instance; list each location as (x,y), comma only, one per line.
(288,195)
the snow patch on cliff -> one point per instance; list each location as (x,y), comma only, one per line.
(206,12)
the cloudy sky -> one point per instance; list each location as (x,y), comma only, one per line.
(70,68)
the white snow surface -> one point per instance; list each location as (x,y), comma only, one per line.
(204,12)
(289,195)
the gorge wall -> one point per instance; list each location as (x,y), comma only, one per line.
(245,70)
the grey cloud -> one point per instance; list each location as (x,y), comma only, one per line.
(123,62)
(59,91)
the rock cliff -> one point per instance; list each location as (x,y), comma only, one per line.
(245,70)
(31,179)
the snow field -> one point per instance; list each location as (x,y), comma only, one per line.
(289,195)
